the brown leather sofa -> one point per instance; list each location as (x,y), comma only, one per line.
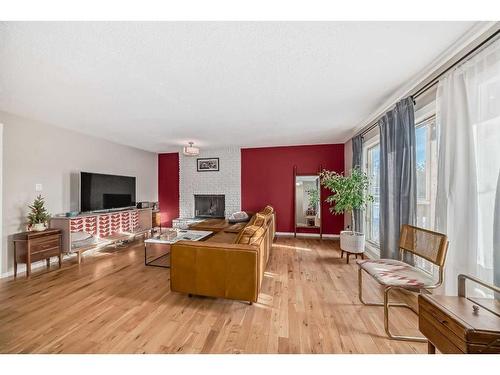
(230,264)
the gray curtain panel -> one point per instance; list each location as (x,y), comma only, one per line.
(398,192)
(357,161)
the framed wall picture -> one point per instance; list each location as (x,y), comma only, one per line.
(207,165)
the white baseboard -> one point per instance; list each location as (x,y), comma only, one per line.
(21,268)
(311,235)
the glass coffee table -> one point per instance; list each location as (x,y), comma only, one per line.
(170,236)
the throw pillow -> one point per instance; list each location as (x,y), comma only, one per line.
(259,233)
(246,234)
(260,220)
(268,210)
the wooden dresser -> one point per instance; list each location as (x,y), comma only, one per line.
(32,247)
(459,325)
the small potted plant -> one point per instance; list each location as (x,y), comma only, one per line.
(39,216)
(349,193)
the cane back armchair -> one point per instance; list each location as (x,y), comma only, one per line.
(396,274)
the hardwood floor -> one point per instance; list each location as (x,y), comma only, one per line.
(112,303)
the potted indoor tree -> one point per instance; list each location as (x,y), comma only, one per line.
(39,216)
(349,193)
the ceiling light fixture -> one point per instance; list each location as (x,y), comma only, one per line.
(191,150)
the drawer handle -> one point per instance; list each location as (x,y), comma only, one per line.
(440,320)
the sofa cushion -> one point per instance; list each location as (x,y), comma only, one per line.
(223,237)
(246,234)
(396,273)
(251,234)
(260,219)
(235,228)
(268,210)
(257,236)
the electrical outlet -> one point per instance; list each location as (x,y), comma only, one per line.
(38,188)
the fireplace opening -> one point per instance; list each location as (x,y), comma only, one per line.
(210,205)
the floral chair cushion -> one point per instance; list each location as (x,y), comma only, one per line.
(392,272)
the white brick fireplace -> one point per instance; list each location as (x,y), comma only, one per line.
(226,181)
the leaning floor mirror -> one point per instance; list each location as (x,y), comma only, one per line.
(307,204)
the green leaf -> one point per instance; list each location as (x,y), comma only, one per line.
(38,214)
(348,192)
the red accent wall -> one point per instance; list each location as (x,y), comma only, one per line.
(168,187)
(267,178)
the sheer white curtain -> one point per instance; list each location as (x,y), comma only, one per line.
(468,123)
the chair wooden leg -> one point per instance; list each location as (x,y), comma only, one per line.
(341,253)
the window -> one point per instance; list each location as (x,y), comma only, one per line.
(426,151)
(372,169)
(426,163)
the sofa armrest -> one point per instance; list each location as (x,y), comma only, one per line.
(215,269)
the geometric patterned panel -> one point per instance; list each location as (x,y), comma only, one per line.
(392,272)
(76,225)
(134,220)
(115,222)
(90,225)
(125,221)
(104,225)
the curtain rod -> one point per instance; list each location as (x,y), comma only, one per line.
(463,58)
(435,80)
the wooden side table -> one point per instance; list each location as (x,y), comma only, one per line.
(31,247)
(459,325)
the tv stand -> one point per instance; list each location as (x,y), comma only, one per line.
(105,228)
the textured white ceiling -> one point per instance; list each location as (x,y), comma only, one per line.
(158,85)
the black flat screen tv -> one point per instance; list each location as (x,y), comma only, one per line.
(105,191)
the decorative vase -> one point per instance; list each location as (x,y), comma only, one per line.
(38,227)
(352,242)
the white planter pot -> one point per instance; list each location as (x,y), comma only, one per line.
(352,242)
(38,227)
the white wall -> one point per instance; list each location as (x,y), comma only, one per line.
(227,181)
(37,153)
(1,196)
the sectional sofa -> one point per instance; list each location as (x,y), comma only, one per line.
(230,264)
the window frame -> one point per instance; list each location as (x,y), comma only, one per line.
(427,117)
(367,146)
(428,153)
